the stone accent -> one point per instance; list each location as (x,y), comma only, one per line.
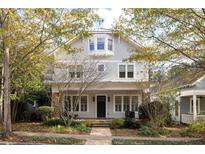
(55,103)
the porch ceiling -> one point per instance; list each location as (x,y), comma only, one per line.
(106,91)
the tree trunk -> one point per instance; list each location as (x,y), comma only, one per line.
(7,104)
(1,95)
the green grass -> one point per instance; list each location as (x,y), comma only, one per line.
(157,142)
(57,140)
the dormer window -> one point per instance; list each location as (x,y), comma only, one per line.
(101,46)
(91,44)
(101,43)
(110,44)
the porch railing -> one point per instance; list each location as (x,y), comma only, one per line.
(188,118)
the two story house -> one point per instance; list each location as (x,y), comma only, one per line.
(120,89)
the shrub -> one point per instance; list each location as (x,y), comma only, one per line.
(131,123)
(148,131)
(117,123)
(163,131)
(186,132)
(156,112)
(198,127)
(54,122)
(44,112)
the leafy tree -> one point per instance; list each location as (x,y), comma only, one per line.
(27,38)
(172,35)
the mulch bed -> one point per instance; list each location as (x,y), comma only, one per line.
(175,132)
(37,127)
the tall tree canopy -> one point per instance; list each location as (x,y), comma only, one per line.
(30,36)
(174,35)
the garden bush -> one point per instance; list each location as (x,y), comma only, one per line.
(163,131)
(44,112)
(117,123)
(195,127)
(147,131)
(131,123)
(54,122)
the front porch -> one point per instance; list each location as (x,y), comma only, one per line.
(191,106)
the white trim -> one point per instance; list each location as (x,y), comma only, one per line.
(126,65)
(79,103)
(122,102)
(192,92)
(106,96)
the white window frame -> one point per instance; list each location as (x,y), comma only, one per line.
(104,43)
(93,39)
(191,107)
(122,102)
(79,103)
(107,40)
(126,77)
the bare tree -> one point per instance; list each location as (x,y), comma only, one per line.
(75,77)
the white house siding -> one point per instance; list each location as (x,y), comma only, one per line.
(122,50)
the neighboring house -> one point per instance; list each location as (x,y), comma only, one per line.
(121,88)
(190,101)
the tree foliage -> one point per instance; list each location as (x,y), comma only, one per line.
(173,35)
(32,35)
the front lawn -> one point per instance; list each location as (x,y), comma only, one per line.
(156,142)
(41,140)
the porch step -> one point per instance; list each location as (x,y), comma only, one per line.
(100,123)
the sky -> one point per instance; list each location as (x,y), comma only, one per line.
(109,15)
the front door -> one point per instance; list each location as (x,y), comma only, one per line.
(101,106)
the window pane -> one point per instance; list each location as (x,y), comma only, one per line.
(110,44)
(101,68)
(67,101)
(118,105)
(91,43)
(72,71)
(134,103)
(122,71)
(79,72)
(84,103)
(126,103)
(75,103)
(130,71)
(100,43)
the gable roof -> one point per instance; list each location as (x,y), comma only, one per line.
(187,78)
(108,31)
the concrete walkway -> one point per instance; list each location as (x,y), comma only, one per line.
(100,136)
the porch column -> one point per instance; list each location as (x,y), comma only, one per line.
(179,110)
(194,108)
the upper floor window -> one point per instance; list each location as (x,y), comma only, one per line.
(100,43)
(75,71)
(126,71)
(101,68)
(110,44)
(130,71)
(122,70)
(91,44)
